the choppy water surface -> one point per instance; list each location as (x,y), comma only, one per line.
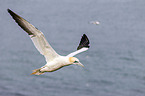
(114,64)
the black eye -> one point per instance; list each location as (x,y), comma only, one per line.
(76,62)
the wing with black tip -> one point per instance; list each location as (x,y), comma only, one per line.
(83,46)
(36,36)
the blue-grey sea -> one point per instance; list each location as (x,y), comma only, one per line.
(114,63)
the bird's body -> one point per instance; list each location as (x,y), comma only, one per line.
(53,59)
(53,65)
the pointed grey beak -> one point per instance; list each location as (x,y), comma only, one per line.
(80,64)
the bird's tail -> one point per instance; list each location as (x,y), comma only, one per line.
(37,72)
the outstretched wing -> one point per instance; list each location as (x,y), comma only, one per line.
(36,36)
(83,46)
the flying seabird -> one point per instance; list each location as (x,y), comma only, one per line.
(54,61)
(95,22)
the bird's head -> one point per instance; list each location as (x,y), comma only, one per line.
(74,60)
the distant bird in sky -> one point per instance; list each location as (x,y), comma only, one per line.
(53,59)
(95,22)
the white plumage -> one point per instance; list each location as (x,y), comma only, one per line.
(54,60)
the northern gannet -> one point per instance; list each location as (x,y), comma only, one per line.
(54,61)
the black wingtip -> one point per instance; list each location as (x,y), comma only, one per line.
(10,11)
(13,14)
(20,21)
(84,42)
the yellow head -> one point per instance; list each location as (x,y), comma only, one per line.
(74,60)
